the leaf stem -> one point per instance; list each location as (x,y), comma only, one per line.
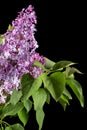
(4,122)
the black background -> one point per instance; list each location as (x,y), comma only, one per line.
(61,34)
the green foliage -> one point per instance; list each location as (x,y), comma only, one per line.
(26,82)
(55,84)
(23,116)
(8,128)
(35,86)
(11,110)
(39,100)
(14,127)
(27,104)
(58,84)
(62,64)
(16,95)
(36,92)
(40,117)
(77,89)
(37,63)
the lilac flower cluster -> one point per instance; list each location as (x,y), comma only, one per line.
(18,53)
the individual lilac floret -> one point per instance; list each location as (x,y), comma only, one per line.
(18,53)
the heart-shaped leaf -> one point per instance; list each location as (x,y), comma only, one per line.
(55,84)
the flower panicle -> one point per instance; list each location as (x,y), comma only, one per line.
(18,52)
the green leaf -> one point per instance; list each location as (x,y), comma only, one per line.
(15,97)
(67,93)
(35,86)
(2,128)
(55,84)
(62,64)
(64,101)
(39,64)
(77,89)
(40,117)
(27,104)
(17,127)
(23,116)
(10,110)
(8,128)
(39,98)
(70,72)
(49,63)
(1,108)
(58,81)
(48,97)
(26,83)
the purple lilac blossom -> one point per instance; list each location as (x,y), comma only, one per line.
(18,53)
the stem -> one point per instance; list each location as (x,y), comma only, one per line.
(1,127)
(3,123)
(6,123)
